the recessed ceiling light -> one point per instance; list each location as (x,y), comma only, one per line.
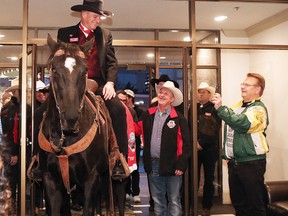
(186,38)
(162,57)
(13,58)
(220,18)
(2,36)
(150,55)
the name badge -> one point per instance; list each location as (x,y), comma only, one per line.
(171,124)
(74,39)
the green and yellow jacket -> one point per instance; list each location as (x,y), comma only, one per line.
(244,131)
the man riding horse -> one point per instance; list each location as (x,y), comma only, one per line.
(102,67)
(74,133)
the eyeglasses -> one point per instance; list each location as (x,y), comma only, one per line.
(247,85)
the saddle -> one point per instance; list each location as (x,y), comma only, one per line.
(91,85)
(118,166)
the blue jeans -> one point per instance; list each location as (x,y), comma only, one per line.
(162,186)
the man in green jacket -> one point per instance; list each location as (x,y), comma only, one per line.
(245,146)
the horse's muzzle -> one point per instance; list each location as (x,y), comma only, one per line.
(70,126)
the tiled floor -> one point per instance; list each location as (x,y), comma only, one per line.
(143,209)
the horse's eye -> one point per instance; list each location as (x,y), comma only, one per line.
(54,70)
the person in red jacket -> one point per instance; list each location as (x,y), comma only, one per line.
(166,149)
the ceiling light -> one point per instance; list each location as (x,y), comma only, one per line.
(186,38)
(220,18)
(150,55)
(2,36)
(162,57)
(13,58)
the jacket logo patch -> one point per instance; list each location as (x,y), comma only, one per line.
(171,124)
(74,39)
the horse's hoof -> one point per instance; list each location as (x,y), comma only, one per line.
(76,207)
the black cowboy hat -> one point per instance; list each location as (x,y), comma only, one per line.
(92,6)
(163,78)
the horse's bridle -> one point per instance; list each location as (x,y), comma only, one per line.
(58,53)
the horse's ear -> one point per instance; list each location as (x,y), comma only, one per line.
(51,42)
(88,45)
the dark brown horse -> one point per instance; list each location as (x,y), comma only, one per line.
(73,135)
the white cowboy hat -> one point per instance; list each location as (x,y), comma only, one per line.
(178,96)
(205,86)
(40,85)
(14,85)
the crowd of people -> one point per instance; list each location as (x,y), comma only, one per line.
(161,131)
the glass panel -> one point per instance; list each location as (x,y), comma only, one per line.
(174,35)
(171,57)
(38,33)
(207,75)
(132,35)
(207,37)
(206,57)
(9,34)
(136,80)
(11,20)
(174,74)
(9,56)
(132,79)
(133,55)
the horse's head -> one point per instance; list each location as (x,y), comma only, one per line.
(68,74)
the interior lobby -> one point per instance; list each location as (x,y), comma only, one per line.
(179,38)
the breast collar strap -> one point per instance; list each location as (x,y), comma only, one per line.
(79,146)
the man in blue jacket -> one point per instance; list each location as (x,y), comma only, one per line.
(245,146)
(166,149)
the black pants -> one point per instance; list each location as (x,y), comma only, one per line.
(118,116)
(208,159)
(134,179)
(246,184)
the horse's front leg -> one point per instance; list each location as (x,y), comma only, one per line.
(91,189)
(58,201)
